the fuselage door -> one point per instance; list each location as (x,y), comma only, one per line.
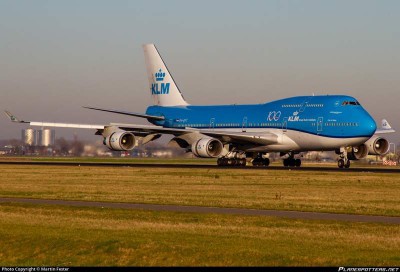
(212,123)
(244,124)
(284,124)
(319,124)
(303,106)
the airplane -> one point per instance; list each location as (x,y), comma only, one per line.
(241,134)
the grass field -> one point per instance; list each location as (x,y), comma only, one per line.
(54,235)
(338,192)
(51,235)
(202,161)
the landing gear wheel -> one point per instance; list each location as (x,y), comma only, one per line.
(297,162)
(286,162)
(340,163)
(347,164)
(265,162)
(242,162)
(256,162)
(292,162)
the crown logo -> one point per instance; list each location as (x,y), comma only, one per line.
(159,75)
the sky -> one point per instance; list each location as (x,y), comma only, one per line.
(57,56)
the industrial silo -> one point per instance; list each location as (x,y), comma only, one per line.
(29,137)
(47,137)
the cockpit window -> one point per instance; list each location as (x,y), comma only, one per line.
(354,103)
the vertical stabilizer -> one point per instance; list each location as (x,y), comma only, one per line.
(162,86)
(385,124)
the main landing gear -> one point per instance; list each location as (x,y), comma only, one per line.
(239,159)
(260,161)
(343,161)
(291,161)
(232,159)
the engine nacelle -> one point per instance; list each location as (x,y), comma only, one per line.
(207,148)
(120,141)
(358,152)
(377,146)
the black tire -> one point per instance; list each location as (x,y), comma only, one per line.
(256,162)
(292,162)
(340,163)
(286,162)
(298,162)
(265,162)
(347,164)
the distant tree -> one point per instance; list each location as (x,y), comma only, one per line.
(63,146)
(77,148)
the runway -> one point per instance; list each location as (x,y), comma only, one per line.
(214,210)
(202,166)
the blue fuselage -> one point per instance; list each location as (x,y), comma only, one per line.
(335,116)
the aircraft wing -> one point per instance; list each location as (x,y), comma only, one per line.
(265,138)
(141,115)
(225,136)
(14,119)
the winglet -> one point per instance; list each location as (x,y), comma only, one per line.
(13,118)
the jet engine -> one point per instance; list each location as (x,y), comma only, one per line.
(358,152)
(377,145)
(207,148)
(120,141)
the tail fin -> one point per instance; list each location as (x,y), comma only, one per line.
(386,128)
(162,86)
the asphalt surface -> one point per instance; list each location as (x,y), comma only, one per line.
(215,210)
(200,166)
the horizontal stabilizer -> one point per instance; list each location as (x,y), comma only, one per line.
(141,115)
(385,124)
(386,128)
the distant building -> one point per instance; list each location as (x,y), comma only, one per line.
(43,137)
(29,137)
(47,137)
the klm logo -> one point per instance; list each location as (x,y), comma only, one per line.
(159,75)
(159,88)
(162,88)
